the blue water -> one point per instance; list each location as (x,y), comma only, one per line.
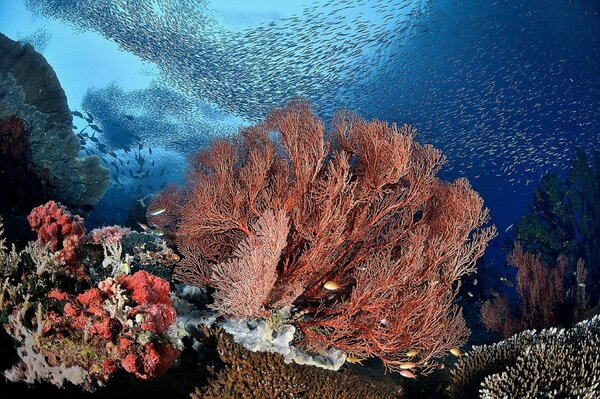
(507,89)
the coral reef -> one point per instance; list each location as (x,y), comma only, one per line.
(554,363)
(541,290)
(30,92)
(564,221)
(246,374)
(355,240)
(119,324)
(65,332)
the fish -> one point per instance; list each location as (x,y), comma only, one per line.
(332,285)
(407,374)
(128,117)
(407,365)
(96,128)
(77,114)
(157,212)
(506,282)
(456,352)
(143,226)
(353,359)
(412,353)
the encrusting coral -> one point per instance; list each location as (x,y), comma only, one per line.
(554,363)
(245,374)
(354,238)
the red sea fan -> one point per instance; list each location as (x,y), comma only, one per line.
(356,235)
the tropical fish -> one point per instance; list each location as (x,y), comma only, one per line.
(353,359)
(456,352)
(157,212)
(407,374)
(407,365)
(412,353)
(332,285)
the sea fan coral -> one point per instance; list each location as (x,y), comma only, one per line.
(355,236)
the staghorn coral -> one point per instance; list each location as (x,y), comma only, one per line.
(246,374)
(554,363)
(373,243)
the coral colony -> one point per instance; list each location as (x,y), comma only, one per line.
(293,258)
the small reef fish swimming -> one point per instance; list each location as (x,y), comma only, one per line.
(412,353)
(354,360)
(407,365)
(407,374)
(456,352)
(332,285)
(157,212)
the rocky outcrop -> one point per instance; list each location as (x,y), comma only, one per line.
(31,93)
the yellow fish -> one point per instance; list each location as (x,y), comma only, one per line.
(456,352)
(332,285)
(412,353)
(354,359)
(407,365)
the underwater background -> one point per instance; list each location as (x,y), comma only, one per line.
(507,90)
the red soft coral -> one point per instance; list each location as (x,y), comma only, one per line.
(61,231)
(146,288)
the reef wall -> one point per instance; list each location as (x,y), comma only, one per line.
(31,93)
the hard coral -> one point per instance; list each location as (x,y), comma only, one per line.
(30,91)
(554,363)
(246,374)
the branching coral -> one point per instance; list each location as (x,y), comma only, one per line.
(246,374)
(552,363)
(110,238)
(367,245)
